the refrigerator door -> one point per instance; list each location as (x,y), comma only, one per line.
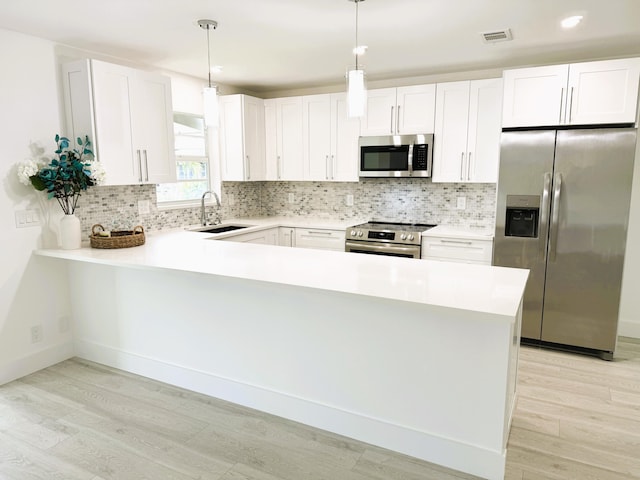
(526,167)
(588,231)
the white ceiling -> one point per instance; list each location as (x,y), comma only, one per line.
(267,45)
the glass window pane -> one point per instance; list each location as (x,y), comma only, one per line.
(174,192)
(189,135)
(192,170)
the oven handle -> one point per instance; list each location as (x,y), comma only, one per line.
(413,250)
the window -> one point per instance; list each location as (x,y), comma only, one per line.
(192,162)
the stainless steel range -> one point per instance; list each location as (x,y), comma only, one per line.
(386,238)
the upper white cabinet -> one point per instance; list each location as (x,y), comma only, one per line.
(400,111)
(127,114)
(283,142)
(330,139)
(242,138)
(467,131)
(578,94)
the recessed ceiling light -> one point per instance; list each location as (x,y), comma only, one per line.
(571,22)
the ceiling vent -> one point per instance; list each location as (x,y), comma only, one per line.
(497,36)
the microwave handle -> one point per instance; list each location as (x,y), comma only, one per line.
(391,126)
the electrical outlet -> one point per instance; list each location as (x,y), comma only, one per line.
(36,333)
(231,198)
(292,198)
(349,200)
(144,208)
(461,203)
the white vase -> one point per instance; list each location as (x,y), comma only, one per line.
(70,232)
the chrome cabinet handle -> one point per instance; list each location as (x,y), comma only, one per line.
(139,166)
(146,165)
(332,166)
(468,166)
(459,242)
(462,166)
(326,167)
(561,102)
(278,174)
(544,215)
(248,168)
(398,119)
(555,216)
(292,237)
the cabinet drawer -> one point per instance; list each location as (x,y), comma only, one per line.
(319,238)
(457,249)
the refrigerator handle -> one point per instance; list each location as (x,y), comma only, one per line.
(555,214)
(544,214)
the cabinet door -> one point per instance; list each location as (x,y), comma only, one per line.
(113,87)
(271,153)
(380,116)
(345,132)
(450,145)
(232,161)
(253,128)
(415,110)
(316,133)
(290,144)
(287,236)
(535,96)
(320,238)
(603,92)
(153,128)
(483,136)
(265,237)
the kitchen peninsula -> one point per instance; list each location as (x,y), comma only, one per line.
(416,356)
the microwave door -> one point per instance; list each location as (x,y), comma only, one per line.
(384,161)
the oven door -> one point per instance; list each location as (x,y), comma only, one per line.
(381,248)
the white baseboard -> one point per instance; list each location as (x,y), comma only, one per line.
(37,361)
(628,328)
(400,438)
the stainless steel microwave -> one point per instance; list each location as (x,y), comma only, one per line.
(396,156)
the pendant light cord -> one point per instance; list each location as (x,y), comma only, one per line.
(356,46)
(209,54)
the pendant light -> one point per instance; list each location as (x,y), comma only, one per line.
(210,93)
(356,86)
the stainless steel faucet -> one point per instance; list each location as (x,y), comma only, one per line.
(203,219)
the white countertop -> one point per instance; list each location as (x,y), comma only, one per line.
(494,290)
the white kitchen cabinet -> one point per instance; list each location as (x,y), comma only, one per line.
(242,138)
(330,139)
(321,238)
(268,236)
(457,249)
(127,114)
(601,92)
(286,236)
(400,111)
(467,131)
(283,142)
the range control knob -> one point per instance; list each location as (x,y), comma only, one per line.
(353,233)
(360,233)
(411,237)
(403,237)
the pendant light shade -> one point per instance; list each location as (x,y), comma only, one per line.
(356,85)
(210,93)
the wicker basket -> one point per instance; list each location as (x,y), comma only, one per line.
(118,238)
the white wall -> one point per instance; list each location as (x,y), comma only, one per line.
(29,296)
(630,299)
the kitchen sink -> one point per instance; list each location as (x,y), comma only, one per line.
(218,228)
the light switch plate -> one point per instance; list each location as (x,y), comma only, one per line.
(349,200)
(292,198)
(461,203)
(27,218)
(143,207)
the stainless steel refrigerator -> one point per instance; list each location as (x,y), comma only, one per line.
(562,212)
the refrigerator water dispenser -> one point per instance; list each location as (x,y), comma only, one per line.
(522,216)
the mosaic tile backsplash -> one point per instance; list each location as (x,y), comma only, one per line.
(399,199)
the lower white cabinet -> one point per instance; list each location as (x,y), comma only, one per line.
(287,236)
(319,238)
(266,237)
(458,249)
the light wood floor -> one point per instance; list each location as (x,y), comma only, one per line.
(577,418)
